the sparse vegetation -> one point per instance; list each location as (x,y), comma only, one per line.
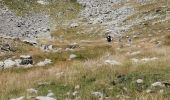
(88,72)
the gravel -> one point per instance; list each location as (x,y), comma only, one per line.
(30,26)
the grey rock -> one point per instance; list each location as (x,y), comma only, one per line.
(44,98)
(19,98)
(26,60)
(98,94)
(18,62)
(75,93)
(9,63)
(43,2)
(7,47)
(72,56)
(73,45)
(45,62)
(30,41)
(50,94)
(158,84)
(73,25)
(139,81)
(28,26)
(48,48)
(32,91)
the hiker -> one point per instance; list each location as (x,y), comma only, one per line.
(109,38)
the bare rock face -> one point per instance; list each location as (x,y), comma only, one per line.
(30,26)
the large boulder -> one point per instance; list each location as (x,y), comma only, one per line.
(9,63)
(26,60)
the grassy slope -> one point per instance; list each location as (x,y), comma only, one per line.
(90,73)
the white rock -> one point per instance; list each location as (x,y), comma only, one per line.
(148,91)
(135,53)
(68,49)
(50,94)
(45,62)
(19,98)
(74,25)
(9,63)
(25,56)
(43,2)
(18,62)
(50,47)
(112,62)
(139,81)
(75,93)
(158,84)
(98,94)
(72,56)
(45,98)
(31,90)
(27,66)
(149,59)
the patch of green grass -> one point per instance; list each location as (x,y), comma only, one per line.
(102,79)
(75,34)
(93,52)
(59,89)
(55,57)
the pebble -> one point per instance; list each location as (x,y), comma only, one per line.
(139,81)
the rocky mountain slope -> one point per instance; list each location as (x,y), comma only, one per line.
(57,50)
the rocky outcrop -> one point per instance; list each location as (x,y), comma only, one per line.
(26,59)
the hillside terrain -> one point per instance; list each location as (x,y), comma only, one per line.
(57,50)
